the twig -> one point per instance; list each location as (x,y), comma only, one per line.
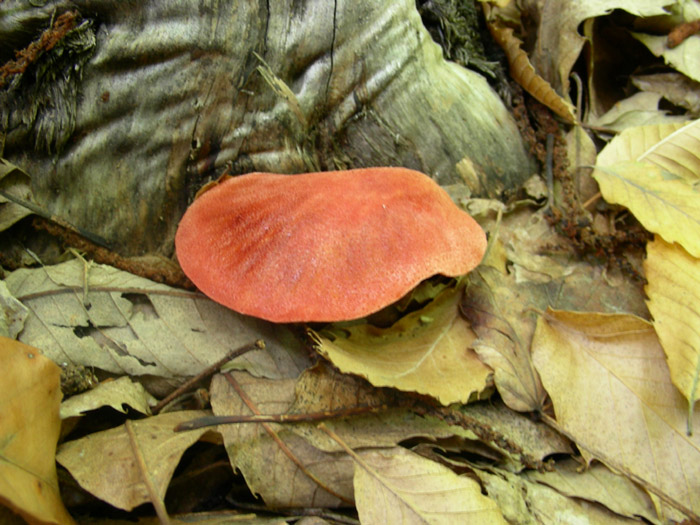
(145,477)
(187,385)
(210,421)
(283,446)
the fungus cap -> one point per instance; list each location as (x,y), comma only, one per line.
(326,246)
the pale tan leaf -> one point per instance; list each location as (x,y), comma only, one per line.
(426,352)
(520,441)
(664,204)
(397,486)
(674,87)
(641,109)
(122,391)
(612,392)
(685,57)
(597,484)
(29,429)
(13,313)
(673,288)
(104,464)
(525,502)
(95,315)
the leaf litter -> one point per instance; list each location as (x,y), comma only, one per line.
(601,381)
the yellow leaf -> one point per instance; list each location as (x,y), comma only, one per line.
(398,486)
(674,301)
(663,204)
(29,428)
(426,352)
(611,391)
(672,147)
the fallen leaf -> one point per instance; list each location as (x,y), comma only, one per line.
(98,460)
(17,183)
(663,203)
(29,429)
(674,87)
(426,351)
(97,316)
(122,391)
(525,502)
(503,341)
(277,463)
(398,486)
(597,484)
(641,109)
(524,73)
(685,58)
(523,441)
(12,313)
(673,287)
(611,390)
(671,147)
(558,42)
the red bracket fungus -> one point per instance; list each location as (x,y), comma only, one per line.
(327,246)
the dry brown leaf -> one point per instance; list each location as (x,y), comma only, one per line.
(397,486)
(29,428)
(17,183)
(597,484)
(116,394)
(490,302)
(524,442)
(524,74)
(673,287)
(426,352)
(288,472)
(558,41)
(95,315)
(612,392)
(501,305)
(104,462)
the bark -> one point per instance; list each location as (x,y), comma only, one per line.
(142,102)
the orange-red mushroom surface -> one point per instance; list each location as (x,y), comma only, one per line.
(327,246)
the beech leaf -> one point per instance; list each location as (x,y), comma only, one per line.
(654,171)
(685,57)
(673,287)
(398,486)
(426,352)
(610,386)
(29,429)
(122,391)
(98,459)
(98,316)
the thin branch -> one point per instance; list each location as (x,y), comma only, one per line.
(145,477)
